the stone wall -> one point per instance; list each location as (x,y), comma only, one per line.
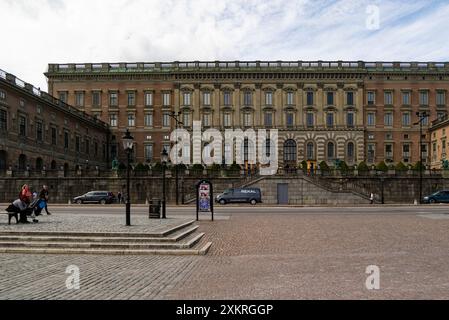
(63,189)
(302,190)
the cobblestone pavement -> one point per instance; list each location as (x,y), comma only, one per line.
(322,257)
(265,256)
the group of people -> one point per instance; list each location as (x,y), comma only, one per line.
(30,204)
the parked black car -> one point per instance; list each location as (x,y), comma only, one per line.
(441,196)
(240,195)
(102,197)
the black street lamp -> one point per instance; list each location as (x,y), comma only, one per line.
(421,115)
(175,116)
(128,146)
(164,159)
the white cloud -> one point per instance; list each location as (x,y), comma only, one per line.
(39,32)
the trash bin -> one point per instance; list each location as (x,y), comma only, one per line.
(155,209)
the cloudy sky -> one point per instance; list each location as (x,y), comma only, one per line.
(37,32)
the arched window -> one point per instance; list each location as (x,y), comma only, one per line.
(39,164)
(53,165)
(350,151)
(310,151)
(290,150)
(22,162)
(267,148)
(249,151)
(3,159)
(330,150)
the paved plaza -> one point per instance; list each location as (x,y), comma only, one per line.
(257,253)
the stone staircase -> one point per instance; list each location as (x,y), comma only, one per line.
(183,239)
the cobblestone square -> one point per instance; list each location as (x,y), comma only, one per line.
(297,254)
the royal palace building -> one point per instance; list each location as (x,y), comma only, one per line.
(352,111)
(41,133)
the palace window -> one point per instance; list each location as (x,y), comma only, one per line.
(227,120)
(79,98)
(227,98)
(113,99)
(350,151)
(22,126)
(131,98)
(290,100)
(389,151)
(62,95)
(350,119)
(113,120)
(370,96)
(424,98)
(290,150)
(290,119)
(388,98)
(388,119)
(310,98)
(350,98)
(441,98)
(247,98)
(148,120)
(330,151)
(371,153)
(166,99)
(309,119)
(329,119)
(406,119)
(3,120)
(148,99)
(206,98)
(53,136)
(247,119)
(77,144)
(371,119)
(406,98)
(310,151)
(39,131)
(268,98)
(186,119)
(166,120)
(187,98)
(268,119)
(66,140)
(330,98)
(206,120)
(96,98)
(148,152)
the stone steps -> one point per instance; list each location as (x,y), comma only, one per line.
(94,238)
(160,234)
(184,244)
(182,239)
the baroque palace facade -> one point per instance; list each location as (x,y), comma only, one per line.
(39,132)
(324,110)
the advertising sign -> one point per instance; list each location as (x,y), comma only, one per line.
(204,198)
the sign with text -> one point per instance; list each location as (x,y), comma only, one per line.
(204,198)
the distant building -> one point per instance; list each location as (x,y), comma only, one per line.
(439,134)
(38,131)
(324,110)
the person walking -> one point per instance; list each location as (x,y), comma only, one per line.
(119,197)
(371,198)
(43,197)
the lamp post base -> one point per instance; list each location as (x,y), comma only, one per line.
(128,213)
